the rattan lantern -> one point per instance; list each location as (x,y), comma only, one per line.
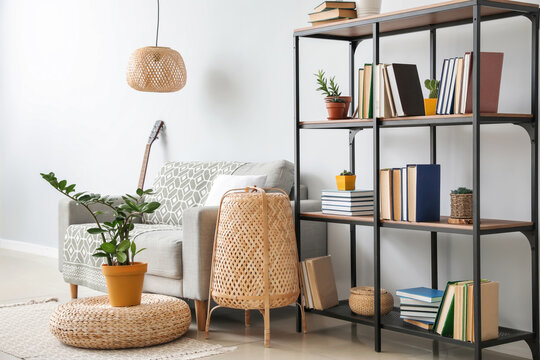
(255,259)
(156,68)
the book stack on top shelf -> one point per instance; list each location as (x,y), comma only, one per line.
(455,92)
(347,202)
(419,306)
(332,11)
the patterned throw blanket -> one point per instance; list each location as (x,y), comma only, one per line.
(179,185)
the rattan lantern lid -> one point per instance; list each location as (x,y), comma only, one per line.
(156,69)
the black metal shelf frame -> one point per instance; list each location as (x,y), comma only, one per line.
(530,125)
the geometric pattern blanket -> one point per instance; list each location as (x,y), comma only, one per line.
(80,267)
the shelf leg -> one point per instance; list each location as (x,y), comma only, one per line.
(297,166)
(476,183)
(376,210)
(352,228)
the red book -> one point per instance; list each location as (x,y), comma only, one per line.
(490,82)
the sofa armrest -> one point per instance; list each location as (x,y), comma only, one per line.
(199,226)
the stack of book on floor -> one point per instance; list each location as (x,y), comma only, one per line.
(456,315)
(347,202)
(411,193)
(455,92)
(389,90)
(318,284)
(332,11)
(419,306)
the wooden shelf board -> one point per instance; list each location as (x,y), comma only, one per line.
(441,13)
(486,225)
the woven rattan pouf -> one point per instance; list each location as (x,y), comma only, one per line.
(92,323)
(255,259)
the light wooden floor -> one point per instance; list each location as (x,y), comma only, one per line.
(25,277)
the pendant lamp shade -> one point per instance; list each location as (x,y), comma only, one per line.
(156,69)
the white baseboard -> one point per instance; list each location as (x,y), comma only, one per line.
(29,248)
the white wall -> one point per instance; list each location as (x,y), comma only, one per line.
(65,106)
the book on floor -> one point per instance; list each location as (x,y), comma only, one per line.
(422,294)
(335,5)
(423,192)
(322,282)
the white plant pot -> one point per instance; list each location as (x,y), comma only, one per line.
(368,7)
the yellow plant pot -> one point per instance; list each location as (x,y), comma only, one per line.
(345,182)
(430,106)
(125,283)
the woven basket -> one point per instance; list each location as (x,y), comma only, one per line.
(461,206)
(362,301)
(255,259)
(156,69)
(93,324)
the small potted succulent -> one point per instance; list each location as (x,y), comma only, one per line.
(461,205)
(337,105)
(124,276)
(345,180)
(430,104)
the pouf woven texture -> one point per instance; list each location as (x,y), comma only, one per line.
(92,323)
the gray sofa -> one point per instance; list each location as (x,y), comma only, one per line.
(179,236)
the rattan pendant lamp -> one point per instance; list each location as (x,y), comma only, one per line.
(156,68)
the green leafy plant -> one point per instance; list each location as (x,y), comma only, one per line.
(328,87)
(116,244)
(346,173)
(460,191)
(433,86)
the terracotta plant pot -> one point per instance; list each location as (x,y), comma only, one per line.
(347,100)
(335,110)
(345,182)
(430,106)
(125,283)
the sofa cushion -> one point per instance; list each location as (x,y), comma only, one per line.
(163,252)
(182,185)
(279,173)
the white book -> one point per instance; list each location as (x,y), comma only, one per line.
(425,314)
(376,87)
(452,89)
(448,80)
(347,208)
(430,309)
(388,93)
(409,301)
(342,204)
(404,203)
(348,213)
(381,90)
(395,91)
(465,85)
(442,83)
(309,300)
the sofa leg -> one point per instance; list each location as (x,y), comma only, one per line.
(74,290)
(200,313)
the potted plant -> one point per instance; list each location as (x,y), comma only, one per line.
(430,104)
(337,105)
(124,276)
(461,206)
(345,180)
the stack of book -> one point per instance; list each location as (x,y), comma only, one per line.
(455,89)
(318,283)
(411,193)
(347,202)
(389,90)
(419,306)
(332,11)
(456,315)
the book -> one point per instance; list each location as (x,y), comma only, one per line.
(459,83)
(405,82)
(309,299)
(489,311)
(409,301)
(328,21)
(347,208)
(335,5)
(404,200)
(421,293)
(332,14)
(376,90)
(452,89)
(465,86)
(385,181)
(368,92)
(490,82)
(418,318)
(444,322)
(396,193)
(347,193)
(348,213)
(419,314)
(430,309)
(360,93)
(442,85)
(323,286)
(348,204)
(424,192)
(449,77)
(389,101)
(420,323)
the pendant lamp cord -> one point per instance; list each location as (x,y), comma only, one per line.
(157,27)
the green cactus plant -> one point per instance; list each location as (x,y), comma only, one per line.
(461,191)
(346,173)
(433,86)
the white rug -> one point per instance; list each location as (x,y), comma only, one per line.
(24,333)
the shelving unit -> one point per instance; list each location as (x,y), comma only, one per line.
(428,18)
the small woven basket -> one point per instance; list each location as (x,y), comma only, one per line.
(362,301)
(461,206)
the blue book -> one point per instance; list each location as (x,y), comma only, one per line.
(442,85)
(422,294)
(424,192)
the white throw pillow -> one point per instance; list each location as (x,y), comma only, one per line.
(224,183)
